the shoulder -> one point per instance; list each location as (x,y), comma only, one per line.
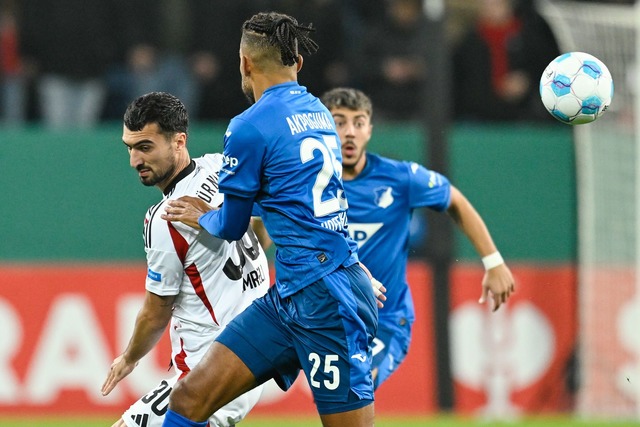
(210,162)
(156,231)
(244,128)
(390,166)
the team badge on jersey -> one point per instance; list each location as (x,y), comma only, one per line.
(384,197)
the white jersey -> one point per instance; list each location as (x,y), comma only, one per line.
(214,279)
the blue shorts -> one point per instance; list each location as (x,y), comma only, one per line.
(390,347)
(325,329)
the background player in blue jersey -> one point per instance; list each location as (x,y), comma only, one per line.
(382,195)
(283,155)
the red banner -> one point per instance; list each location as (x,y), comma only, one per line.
(514,360)
(63,325)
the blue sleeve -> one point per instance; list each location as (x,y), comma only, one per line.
(428,188)
(231,221)
(244,148)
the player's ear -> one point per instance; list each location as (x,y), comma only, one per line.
(299,63)
(180,139)
(245,65)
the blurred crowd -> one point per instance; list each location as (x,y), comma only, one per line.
(74,63)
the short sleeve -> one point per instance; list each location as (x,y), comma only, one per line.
(428,188)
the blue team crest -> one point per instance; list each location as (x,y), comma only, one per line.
(384,196)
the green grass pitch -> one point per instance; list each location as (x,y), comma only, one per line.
(439,421)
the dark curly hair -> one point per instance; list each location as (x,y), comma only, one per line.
(157,107)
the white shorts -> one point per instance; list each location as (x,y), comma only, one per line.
(150,409)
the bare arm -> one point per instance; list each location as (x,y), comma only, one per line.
(151,322)
(498,280)
(261,232)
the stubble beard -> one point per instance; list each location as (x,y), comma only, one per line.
(248,91)
(154,178)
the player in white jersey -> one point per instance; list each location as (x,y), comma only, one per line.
(195,282)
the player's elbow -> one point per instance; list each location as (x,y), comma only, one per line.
(231,233)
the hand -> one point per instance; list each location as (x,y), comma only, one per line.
(187,210)
(120,368)
(498,282)
(378,288)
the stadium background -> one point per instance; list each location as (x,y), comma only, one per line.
(72,268)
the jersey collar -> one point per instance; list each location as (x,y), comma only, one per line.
(184,172)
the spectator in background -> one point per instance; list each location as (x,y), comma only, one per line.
(13,85)
(393,60)
(181,48)
(497,65)
(216,23)
(71,43)
(328,67)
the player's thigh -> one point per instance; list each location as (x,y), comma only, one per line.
(390,347)
(263,342)
(362,417)
(216,380)
(149,411)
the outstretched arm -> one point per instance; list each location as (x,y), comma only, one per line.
(498,280)
(151,322)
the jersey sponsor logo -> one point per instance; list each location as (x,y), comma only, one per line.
(253,279)
(157,277)
(384,197)
(230,161)
(302,122)
(361,233)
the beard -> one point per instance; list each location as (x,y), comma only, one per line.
(248,91)
(154,178)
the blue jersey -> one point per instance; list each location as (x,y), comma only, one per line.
(381,201)
(283,153)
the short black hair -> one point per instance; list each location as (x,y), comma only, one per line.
(157,107)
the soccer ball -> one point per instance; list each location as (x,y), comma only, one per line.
(576,88)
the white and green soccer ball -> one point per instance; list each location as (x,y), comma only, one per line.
(576,88)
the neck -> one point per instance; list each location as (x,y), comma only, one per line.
(181,165)
(262,82)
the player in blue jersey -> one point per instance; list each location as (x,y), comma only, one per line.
(283,155)
(382,195)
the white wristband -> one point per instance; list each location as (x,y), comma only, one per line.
(492,261)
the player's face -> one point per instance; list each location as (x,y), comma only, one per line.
(354,129)
(151,154)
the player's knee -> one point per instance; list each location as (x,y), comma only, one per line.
(183,399)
